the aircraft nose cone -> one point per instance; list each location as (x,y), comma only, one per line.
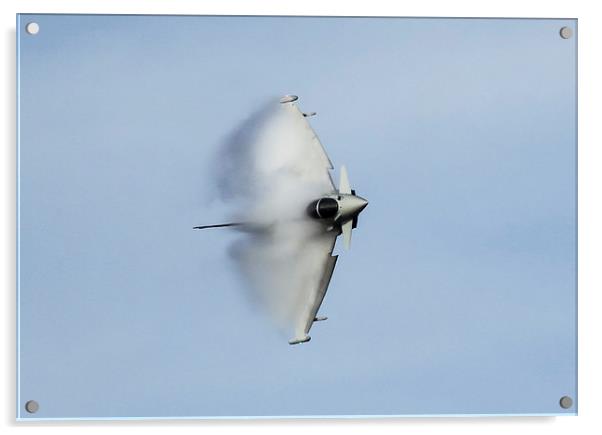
(359,204)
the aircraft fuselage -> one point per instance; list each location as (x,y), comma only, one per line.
(338,208)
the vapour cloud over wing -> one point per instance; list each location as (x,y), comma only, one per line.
(271,168)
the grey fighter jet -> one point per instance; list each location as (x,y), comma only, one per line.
(337,211)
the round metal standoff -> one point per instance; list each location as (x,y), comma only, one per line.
(32,28)
(288,99)
(32,406)
(566,32)
(566,402)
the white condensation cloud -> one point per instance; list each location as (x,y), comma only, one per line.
(269,173)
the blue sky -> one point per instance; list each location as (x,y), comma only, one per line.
(458,295)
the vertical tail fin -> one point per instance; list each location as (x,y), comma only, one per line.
(233,224)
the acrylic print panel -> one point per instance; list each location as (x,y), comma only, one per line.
(458,206)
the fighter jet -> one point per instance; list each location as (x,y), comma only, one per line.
(337,211)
